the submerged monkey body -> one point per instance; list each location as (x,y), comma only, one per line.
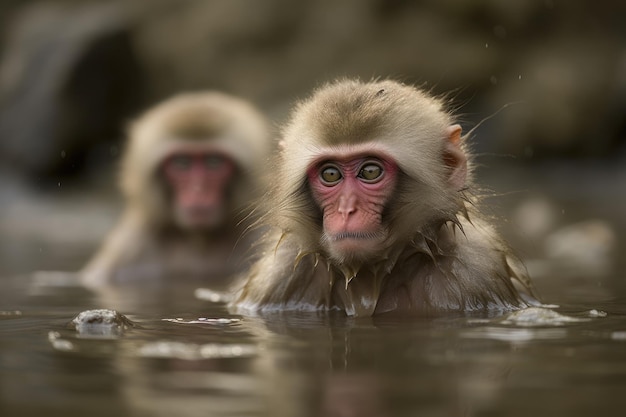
(145,254)
(370,213)
(432,274)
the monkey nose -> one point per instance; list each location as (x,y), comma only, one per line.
(347,206)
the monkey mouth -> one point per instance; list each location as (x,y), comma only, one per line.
(354,235)
(358,247)
(200,217)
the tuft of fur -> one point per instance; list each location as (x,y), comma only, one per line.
(441,255)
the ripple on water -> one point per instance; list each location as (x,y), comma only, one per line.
(533,323)
(515,334)
(12,313)
(192,351)
(538,316)
(204,320)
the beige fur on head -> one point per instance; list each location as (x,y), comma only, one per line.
(400,120)
(192,120)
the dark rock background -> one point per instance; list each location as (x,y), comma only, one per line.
(73,73)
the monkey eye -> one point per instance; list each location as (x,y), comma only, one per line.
(371,172)
(330,175)
(213,161)
(180,162)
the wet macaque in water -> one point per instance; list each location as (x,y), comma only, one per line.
(189,172)
(373,211)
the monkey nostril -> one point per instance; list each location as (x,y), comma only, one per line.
(346,209)
(347,205)
(346,213)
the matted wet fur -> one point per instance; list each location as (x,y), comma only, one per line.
(439,255)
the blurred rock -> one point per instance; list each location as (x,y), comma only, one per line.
(101,323)
(555,243)
(534,218)
(584,248)
(68,80)
(73,72)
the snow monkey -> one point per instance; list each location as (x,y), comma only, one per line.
(371,213)
(189,170)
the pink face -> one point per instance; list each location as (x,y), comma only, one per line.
(352,189)
(198,181)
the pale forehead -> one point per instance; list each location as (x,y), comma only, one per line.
(179,145)
(185,145)
(351,151)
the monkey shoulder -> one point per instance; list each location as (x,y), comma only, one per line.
(464,267)
(284,278)
(122,246)
(487,270)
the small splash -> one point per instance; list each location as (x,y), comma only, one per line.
(537,316)
(532,323)
(191,351)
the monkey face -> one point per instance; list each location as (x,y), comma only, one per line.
(199,182)
(352,190)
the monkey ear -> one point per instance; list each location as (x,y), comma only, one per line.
(454,158)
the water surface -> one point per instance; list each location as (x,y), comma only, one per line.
(189,357)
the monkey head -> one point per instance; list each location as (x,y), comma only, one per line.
(365,166)
(191,160)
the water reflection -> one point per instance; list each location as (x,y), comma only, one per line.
(188,357)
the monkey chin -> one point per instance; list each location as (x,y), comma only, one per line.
(200,219)
(354,247)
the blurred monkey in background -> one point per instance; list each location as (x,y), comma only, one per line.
(189,172)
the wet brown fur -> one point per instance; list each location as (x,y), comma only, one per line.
(442,254)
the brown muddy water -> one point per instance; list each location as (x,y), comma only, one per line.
(187,356)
